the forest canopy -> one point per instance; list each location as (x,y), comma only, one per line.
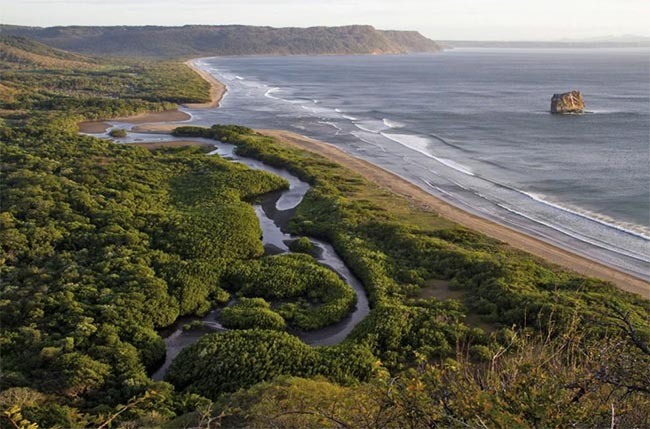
(103,244)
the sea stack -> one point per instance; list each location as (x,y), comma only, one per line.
(569,102)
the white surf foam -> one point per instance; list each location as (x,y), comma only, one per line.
(270,92)
(421,144)
(576,235)
(333,125)
(371,126)
(367,139)
(392,124)
(636,230)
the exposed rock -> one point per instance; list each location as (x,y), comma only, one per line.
(569,102)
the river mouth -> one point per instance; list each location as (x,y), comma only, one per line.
(274,211)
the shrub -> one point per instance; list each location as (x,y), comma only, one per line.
(250,313)
(118,133)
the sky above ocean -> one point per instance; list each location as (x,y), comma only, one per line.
(437,19)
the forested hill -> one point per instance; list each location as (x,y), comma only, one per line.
(22,52)
(200,40)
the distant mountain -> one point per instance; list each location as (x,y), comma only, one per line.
(201,40)
(19,52)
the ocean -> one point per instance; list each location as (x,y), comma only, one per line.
(472,126)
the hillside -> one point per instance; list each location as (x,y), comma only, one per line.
(200,40)
(44,80)
(20,52)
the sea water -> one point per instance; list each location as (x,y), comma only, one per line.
(473,127)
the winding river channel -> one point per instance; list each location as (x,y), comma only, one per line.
(273,211)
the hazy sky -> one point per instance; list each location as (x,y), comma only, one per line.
(438,19)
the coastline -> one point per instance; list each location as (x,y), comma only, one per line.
(400,186)
(159,119)
(217,89)
(418,196)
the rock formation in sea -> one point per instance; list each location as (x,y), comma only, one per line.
(569,102)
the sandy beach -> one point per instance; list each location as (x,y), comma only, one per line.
(427,201)
(156,122)
(165,116)
(175,143)
(155,128)
(93,127)
(217,89)
(100,127)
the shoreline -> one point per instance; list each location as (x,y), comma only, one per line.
(217,92)
(217,89)
(400,186)
(420,197)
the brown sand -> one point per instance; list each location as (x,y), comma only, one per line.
(165,116)
(93,127)
(100,127)
(158,128)
(217,89)
(418,196)
(175,143)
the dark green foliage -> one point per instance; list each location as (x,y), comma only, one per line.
(393,257)
(59,87)
(101,244)
(302,245)
(249,313)
(228,361)
(98,250)
(118,133)
(398,334)
(326,298)
(195,324)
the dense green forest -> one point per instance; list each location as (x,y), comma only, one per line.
(39,84)
(210,40)
(104,244)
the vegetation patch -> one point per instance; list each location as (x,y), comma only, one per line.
(324,298)
(303,245)
(118,133)
(249,313)
(228,361)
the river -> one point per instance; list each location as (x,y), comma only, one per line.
(274,211)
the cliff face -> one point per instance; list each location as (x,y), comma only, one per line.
(412,41)
(200,40)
